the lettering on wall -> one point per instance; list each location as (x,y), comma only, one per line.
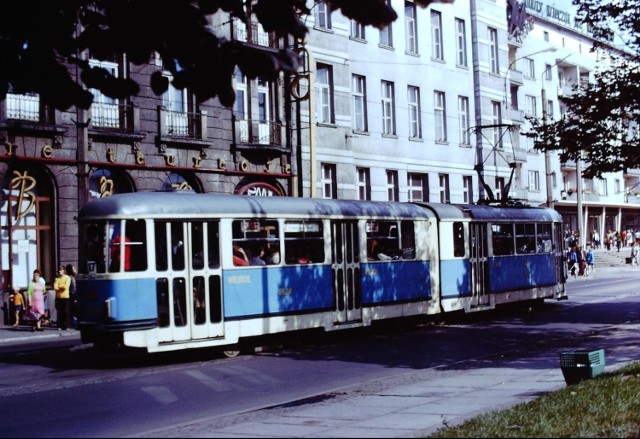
(23,183)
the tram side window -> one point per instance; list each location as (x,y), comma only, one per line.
(458,239)
(94,248)
(385,243)
(525,238)
(544,236)
(213,244)
(160,232)
(303,242)
(255,242)
(502,239)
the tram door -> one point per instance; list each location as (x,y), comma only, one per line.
(479,265)
(345,264)
(189,280)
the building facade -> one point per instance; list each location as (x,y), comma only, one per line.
(430,108)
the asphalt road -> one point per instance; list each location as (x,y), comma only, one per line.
(65,389)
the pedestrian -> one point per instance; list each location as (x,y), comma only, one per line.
(635,250)
(618,240)
(572,262)
(582,263)
(35,296)
(596,239)
(73,294)
(590,262)
(18,305)
(61,285)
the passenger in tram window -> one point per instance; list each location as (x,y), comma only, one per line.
(272,256)
(255,256)
(240,258)
(115,254)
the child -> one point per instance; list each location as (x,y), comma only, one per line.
(18,305)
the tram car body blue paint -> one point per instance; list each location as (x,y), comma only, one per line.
(340,264)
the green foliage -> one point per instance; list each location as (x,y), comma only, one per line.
(607,406)
(41,42)
(602,121)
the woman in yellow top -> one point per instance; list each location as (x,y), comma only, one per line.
(61,285)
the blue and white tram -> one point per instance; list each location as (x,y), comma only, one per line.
(172,270)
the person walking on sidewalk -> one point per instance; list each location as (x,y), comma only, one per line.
(35,296)
(635,251)
(18,305)
(590,262)
(61,285)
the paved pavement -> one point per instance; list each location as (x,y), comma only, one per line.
(414,404)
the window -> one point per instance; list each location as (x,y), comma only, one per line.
(388,109)
(105,111)
(547,72)
(499,188)
(534,181)
(529,68)
(549,108)
(530,105)
(493,51)
(458,240)
(463,120)
(176,107)
(461,43)
(411,28)
(502,239)
(437,51)
(364,184)
(617,186)
(440,116)
(322,14)
(255,241)
(324,89)
(413,102)
(445,196)
(390,240)
(386,35)
(602,187)
(303,242)
(23,106)
(418,185)
(525,238)
(392,186)
(467,189)
(546,35)
(496,120)
(240,105)
(359,91)
(357,30)
(128,243)
(328,181)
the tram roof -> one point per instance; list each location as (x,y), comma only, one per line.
(189,204)
(485,212)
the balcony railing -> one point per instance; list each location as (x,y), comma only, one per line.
(28,108)
(258,132)
(254,34)
(183,125)
(116,117)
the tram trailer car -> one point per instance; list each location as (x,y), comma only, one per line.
(174,270)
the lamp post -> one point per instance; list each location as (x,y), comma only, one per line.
(548,49)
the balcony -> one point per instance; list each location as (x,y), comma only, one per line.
(256,134)
(515,114)
(181,126)
(254,34)
(26,110)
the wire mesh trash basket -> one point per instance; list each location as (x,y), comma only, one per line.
(581,365)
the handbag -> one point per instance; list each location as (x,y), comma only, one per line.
(29,315)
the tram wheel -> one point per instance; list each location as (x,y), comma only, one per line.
(232,351)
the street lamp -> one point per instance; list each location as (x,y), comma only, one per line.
(548,49)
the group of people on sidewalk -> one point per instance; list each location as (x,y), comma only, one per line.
(580,262)
(31,308)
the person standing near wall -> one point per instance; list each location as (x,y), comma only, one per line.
(61,285)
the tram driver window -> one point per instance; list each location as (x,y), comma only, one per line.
(94,248)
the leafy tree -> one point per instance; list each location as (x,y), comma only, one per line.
(41,42)
(602,121)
